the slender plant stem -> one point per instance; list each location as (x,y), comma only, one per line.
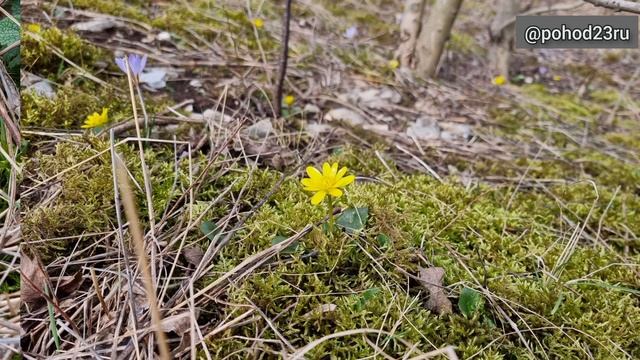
(331,218)
(284,58)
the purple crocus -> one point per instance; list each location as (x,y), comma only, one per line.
(136,64)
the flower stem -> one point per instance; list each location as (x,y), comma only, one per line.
(330,210)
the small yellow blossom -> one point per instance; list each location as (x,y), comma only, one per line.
(96,120)
(557,77)
(393,64)
(329,181)
(35,28)
(289,100)
(258,23)
(499,80)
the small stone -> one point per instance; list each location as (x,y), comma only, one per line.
(310,108)
(163,36)
(259,130)
(343,114)
(42,88)
(455,131)
(424,128)
(96,25)
(315,129)
(195,83)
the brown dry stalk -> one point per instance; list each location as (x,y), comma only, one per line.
(138,240)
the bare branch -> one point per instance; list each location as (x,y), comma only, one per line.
(619,5)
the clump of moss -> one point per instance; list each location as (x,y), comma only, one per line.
(80,199)
(360,280)
(37,52)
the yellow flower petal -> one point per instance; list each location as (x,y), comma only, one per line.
(335,192)
(318,197)
(345,181)
(334,169)
(342,172)
(326,169)
(313,172)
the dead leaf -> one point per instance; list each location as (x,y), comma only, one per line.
(178,323)
(193,255)
(321,309)
(67,285)
(33,280)
(431,279)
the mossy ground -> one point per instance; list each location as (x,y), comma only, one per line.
(506,240)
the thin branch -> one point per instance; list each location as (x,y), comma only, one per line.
(284,58)
(619,5)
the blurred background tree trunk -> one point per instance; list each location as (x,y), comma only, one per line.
(409,30)
(501,32)
(435,32)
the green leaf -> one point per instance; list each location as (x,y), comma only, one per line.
(366,296)
(383,240)
(353,220)
(289,249)
(470,301)
(209,229)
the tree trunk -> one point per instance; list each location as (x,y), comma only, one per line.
(409,31)
(435,32)
(502,36)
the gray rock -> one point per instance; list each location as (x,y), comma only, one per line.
(42,88)
(95,25)
(343,114)
(424,128)
(259,130)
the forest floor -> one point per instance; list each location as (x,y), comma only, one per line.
(486,221)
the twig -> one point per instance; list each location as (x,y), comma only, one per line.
(284,58)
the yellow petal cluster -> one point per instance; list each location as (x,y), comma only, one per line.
(327,182)
(499,80)
(95,120)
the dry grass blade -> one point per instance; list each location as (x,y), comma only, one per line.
(138,240)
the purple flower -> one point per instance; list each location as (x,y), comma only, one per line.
(136,63)
(351,32)
(543,70)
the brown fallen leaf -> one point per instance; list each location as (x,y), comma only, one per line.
(193,254)
(67,285)
(178,323)
(431,279)
(33,280)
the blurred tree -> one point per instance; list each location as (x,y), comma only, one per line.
(409,30)
(433,35)
(501,32)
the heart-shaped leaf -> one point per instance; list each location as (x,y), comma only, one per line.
(209,229)
(470,301)
(289,249)
(353,220)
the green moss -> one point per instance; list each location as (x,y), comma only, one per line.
(37,52)
(496,243)
(126,9)
(79,192)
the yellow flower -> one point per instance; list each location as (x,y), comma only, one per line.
(329,181)
(499,80)
(35,28)
(258,23)
(289,100)
(96,120)
(393,64)
(557,77)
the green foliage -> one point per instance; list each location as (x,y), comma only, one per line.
(353,220)
(38,52)
(10,34)
(470,302)
(209,229)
